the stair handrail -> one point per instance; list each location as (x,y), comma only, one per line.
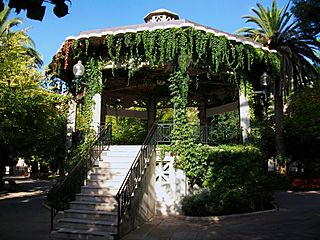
(135,173)
(63,192)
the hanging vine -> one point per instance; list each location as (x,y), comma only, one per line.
(92,79)
(178,46)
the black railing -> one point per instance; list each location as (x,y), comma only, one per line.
(64,191)
(135,174)
(205,134)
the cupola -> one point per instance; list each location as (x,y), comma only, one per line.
(160,15)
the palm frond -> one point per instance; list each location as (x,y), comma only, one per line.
(297,50)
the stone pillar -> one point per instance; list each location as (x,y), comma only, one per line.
(244,116)
(151,113)
(96,112)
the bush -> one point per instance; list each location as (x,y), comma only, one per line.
(202,203)
(236,183)
(302,128)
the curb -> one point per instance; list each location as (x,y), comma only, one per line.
(223,217)
(45,205)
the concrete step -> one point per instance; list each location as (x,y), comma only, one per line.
(111,206)
(99,190)
(106,176)
(99,170)
(116,164)
(120,153)
(85,224)
(105,183)
(72,234)
(124,157)
(124,148)
(93,215)
(85,197)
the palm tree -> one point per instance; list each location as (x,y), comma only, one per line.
(276,30)
(6,25)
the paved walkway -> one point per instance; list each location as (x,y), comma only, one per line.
(298,218)
(22,216)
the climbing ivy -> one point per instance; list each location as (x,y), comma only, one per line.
(177,46)
(167,45)
(92,78)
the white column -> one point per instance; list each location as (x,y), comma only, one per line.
(96,112)
(71,121)
(244,116)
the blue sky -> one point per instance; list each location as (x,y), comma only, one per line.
(48,35)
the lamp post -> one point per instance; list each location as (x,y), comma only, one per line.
(78,71)
(265,83)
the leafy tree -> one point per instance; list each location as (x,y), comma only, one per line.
(128,130)
(307,14)
(275,31)
(35,9)
(302,126)
(28,113)
(6,24)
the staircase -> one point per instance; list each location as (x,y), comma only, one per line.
(93,214)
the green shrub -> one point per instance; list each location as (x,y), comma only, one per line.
(202,203)
(236,181)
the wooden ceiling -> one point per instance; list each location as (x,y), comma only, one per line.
(153,84)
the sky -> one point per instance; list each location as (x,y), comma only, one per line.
(49,34)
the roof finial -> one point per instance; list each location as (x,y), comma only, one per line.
(160,15)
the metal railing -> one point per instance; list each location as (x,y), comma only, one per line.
(205,134)
(64,191)
(135,174)
(162,134)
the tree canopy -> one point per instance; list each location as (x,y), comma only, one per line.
(30,115)
(307,14)
(275,29)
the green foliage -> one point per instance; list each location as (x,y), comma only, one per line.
(174,45)
(93,79)
(31,118)
(235,180)
(302,126)
(179,47)
(225,125)
(307,14)
(274,29)
(262,136)
(128,131)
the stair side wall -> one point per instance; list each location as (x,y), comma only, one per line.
(171,185)
(143,205)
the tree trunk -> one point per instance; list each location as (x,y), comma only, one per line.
(278,115)
(2,168)
(3,158)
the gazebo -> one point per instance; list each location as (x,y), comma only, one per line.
(133,66)
(134,70)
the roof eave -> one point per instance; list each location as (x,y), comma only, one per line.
(163,25)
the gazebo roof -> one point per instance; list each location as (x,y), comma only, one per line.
(166,24)
(212,87)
